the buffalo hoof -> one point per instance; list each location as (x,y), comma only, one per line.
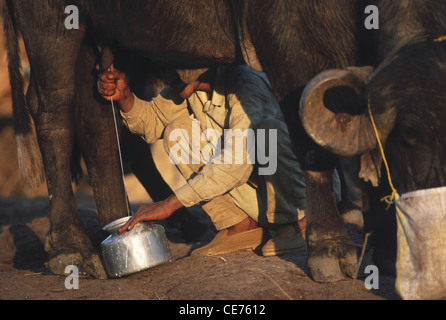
(90,265)
(77,252)
(332,261)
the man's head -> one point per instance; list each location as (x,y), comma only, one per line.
(189,81)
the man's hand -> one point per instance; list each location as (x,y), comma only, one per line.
(112,84)
(153,212)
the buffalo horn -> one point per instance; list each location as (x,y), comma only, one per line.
(341,133)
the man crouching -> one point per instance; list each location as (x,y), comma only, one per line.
(249,196)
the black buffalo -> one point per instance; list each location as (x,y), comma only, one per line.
(405,88)
(291,41)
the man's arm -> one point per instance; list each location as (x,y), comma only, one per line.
(153,212)
(147,119)
(112,85)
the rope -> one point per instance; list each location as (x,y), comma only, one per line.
(389,199)
(440,39)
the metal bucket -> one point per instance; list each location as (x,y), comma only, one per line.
(142,248)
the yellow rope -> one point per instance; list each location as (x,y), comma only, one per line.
(391,198)
(440,39)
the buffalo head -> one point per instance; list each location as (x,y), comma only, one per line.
(407,99)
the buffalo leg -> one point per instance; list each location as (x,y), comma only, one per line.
(67,242)
(52,53)
(97,138)
(331,253)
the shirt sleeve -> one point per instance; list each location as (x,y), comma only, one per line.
(215,179)
(148,119)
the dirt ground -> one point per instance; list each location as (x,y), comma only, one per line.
(236,276)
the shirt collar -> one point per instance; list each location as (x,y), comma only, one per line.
(219,92)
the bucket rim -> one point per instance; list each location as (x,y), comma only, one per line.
(115,225)
(423,192)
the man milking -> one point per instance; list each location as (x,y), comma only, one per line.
(247,199)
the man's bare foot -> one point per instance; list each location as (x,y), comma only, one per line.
(245,225)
